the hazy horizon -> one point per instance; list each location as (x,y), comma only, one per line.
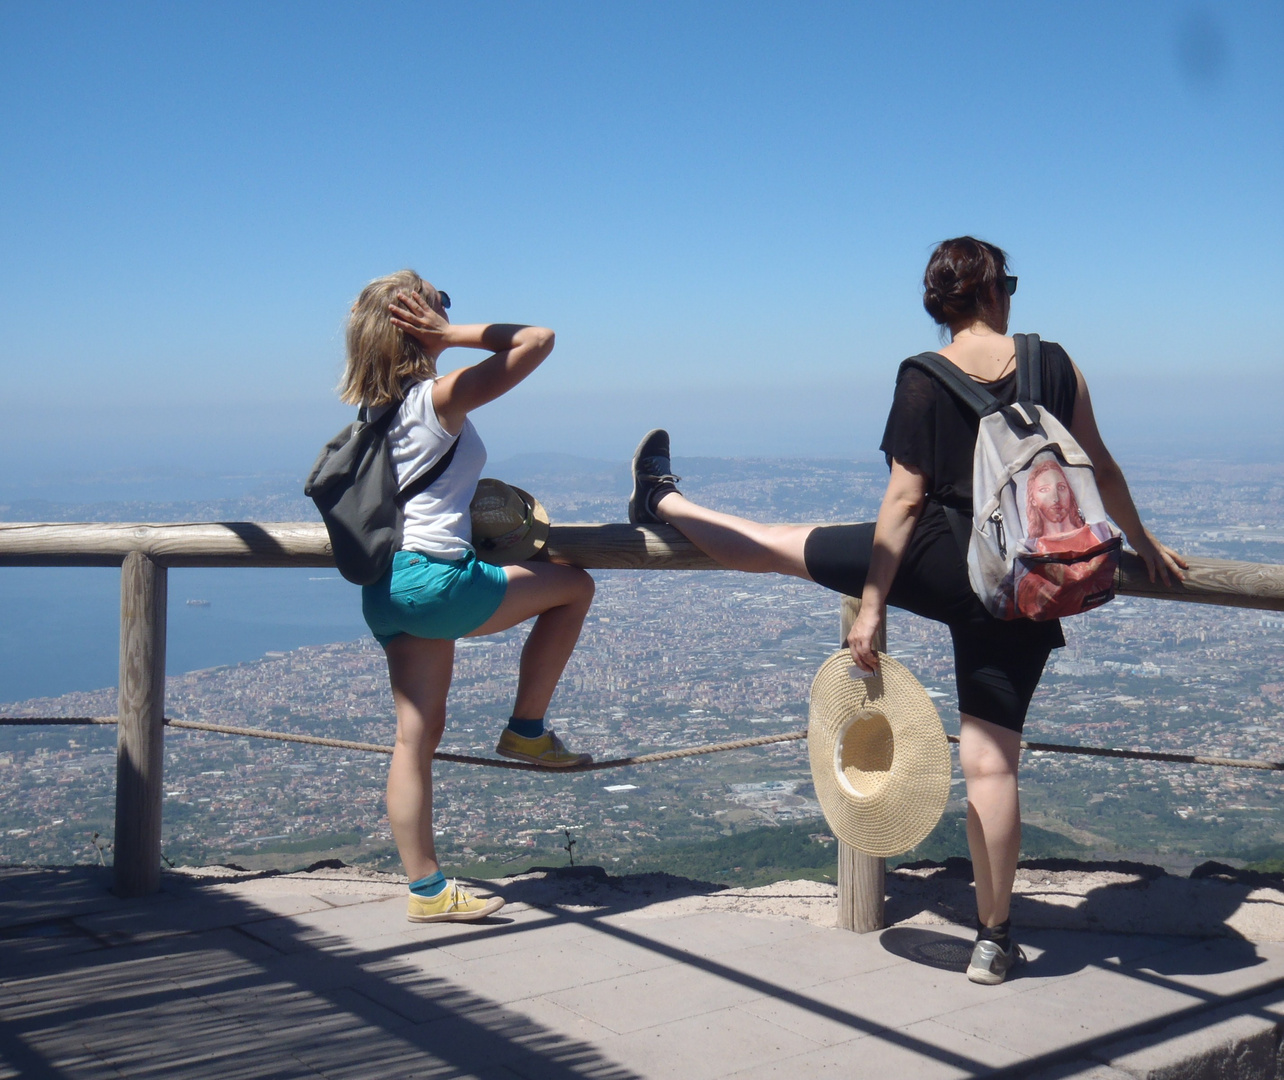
(723,210)
(155,449)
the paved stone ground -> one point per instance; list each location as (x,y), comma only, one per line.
(318,975)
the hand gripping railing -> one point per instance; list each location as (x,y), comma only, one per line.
(145,552)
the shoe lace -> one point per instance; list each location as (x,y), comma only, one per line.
(657,470)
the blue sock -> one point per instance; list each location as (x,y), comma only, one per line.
(431,885)
(527,729)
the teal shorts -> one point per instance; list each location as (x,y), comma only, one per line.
(428,597)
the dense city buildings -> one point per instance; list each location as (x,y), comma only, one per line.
(673,659)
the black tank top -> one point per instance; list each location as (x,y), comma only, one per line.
(929,429)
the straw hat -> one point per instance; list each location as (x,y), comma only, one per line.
(879,758)
(509,524)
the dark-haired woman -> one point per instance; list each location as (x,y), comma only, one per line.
(910,558)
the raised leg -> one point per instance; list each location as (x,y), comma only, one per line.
(989,755)
(736,542)
(558,597)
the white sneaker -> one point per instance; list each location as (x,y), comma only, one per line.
(990,963)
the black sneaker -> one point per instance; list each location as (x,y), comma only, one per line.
(991,963)
(652,477)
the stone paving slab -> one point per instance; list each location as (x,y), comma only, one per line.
(319,975)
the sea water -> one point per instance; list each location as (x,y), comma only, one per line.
(60,626)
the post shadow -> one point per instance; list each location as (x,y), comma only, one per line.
(308,1005)
(296,1002)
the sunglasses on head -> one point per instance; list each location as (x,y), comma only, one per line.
(1009,283)
(445,297)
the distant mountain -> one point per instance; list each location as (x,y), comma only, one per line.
(571,488)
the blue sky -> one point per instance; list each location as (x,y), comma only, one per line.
(723,210)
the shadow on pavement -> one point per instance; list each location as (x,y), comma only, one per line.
(931,948)
(110,988)
(201,983)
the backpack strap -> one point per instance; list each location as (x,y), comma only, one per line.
(418,487)
(968,391)
(976,398)
(1029,366)
(384,421)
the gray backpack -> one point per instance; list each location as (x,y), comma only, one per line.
(354,485)
(1039,545)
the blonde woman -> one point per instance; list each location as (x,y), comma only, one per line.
(437,590)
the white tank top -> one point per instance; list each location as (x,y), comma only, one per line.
(437,520)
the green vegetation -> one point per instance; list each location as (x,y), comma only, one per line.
(284,855)
(312,844)
(748,859)
(1264,858)
(1266,866)
(949,840)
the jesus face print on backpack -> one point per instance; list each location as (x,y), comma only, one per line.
(1063,565)
(1040,546)
(1050,503)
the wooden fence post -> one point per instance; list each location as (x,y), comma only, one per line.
(860,876)
(140,732)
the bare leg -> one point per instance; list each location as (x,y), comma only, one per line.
(737,543)
(420,672)
(559,597)
(988,754)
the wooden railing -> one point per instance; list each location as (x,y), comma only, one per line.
(145,552)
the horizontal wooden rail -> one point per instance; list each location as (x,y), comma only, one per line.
(146,552)
(594,547)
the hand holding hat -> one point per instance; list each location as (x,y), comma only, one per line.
(879,758)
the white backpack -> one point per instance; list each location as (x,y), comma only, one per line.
(1039,545)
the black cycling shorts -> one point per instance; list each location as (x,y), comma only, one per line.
(997,663)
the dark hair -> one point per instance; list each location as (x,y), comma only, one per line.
(963,282)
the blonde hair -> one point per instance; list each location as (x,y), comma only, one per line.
(380,356)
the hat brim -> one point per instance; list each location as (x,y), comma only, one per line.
(523,548)
(880,762)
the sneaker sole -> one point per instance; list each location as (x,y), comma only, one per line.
(530,759)
(492,906)
(984,976)
(640,515)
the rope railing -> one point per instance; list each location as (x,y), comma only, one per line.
(636,759)
(440,755)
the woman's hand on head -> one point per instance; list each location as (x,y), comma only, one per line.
(416,317)
(1159,558)
(861,638)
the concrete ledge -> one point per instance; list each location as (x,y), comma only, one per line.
(1240,1041)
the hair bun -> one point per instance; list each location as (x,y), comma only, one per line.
(961,281)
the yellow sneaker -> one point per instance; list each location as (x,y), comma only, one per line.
(452,904)
(546,750)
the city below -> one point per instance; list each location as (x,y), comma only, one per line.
(676,659)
